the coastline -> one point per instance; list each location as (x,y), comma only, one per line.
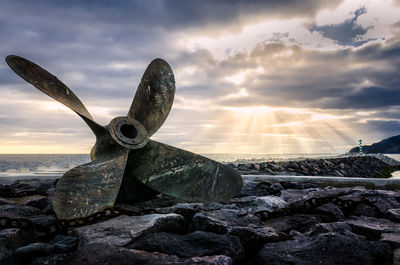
(283,222)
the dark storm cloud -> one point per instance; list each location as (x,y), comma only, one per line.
(346,33)
(351,78)
(386,128)
(368,97)
(87,36)
(170,13)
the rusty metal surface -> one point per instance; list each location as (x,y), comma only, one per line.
(154,96)
(151,167)
(51,86)
(89,188)
(183,174)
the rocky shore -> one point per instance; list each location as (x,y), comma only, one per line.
(356,166)
(279,223)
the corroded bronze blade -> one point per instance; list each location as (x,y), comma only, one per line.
(182,174)
(89,188)
(154,96)
(51,86)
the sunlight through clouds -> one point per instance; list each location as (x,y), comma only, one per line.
(251,77)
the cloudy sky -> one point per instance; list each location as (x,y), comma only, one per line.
(310,76)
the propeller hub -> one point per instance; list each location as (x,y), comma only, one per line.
(128,132)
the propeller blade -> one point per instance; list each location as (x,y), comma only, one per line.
(182,174)
(154,96)
(51,86)
(89,188)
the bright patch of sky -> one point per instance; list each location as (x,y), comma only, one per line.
(378,17)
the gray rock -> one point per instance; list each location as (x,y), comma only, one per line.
(222,220)
(252,188)
(7,257)
(43,204)
(365,210)
(244,167)
(327,249)
(188,210)
(160,201)
(394,214)
(339,228)
(372,227)
(396,257)
(64,243)
(32,251)
(252,238)
(123,230)
(382,200)
(54,259)
(253,204)
(391,238)
(299,222)
(102,253)
(18,211)
(45,221)
(13,238)
(332,210)
(190,245)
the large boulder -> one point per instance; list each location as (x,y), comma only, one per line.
(222,220)
(327,249)
(123,230)
(372,227)
(298,222)
(190,245)
(252,188)
(13,238)
(339,228)
(27,253)
(254,204)
(107,254)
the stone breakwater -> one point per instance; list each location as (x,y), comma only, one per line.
(357,166)
(279,223)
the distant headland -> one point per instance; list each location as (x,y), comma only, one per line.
(387,146)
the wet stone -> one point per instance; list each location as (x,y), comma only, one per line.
(372,227)
(198,243)
(252,238)
(394,214)
(252,188)
(222,220)
(381,201)
(103,253)
(123,230)
(396,257)
(64,243)
(339,228)
(13,238)
(43,204)
(299,222)
(328,249)
(188,210)
(363,209)
(331,210)
(32,251)
(18,211)
(6,256)
(253,204)
(391,238)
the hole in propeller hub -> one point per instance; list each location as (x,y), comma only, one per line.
(129,131)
